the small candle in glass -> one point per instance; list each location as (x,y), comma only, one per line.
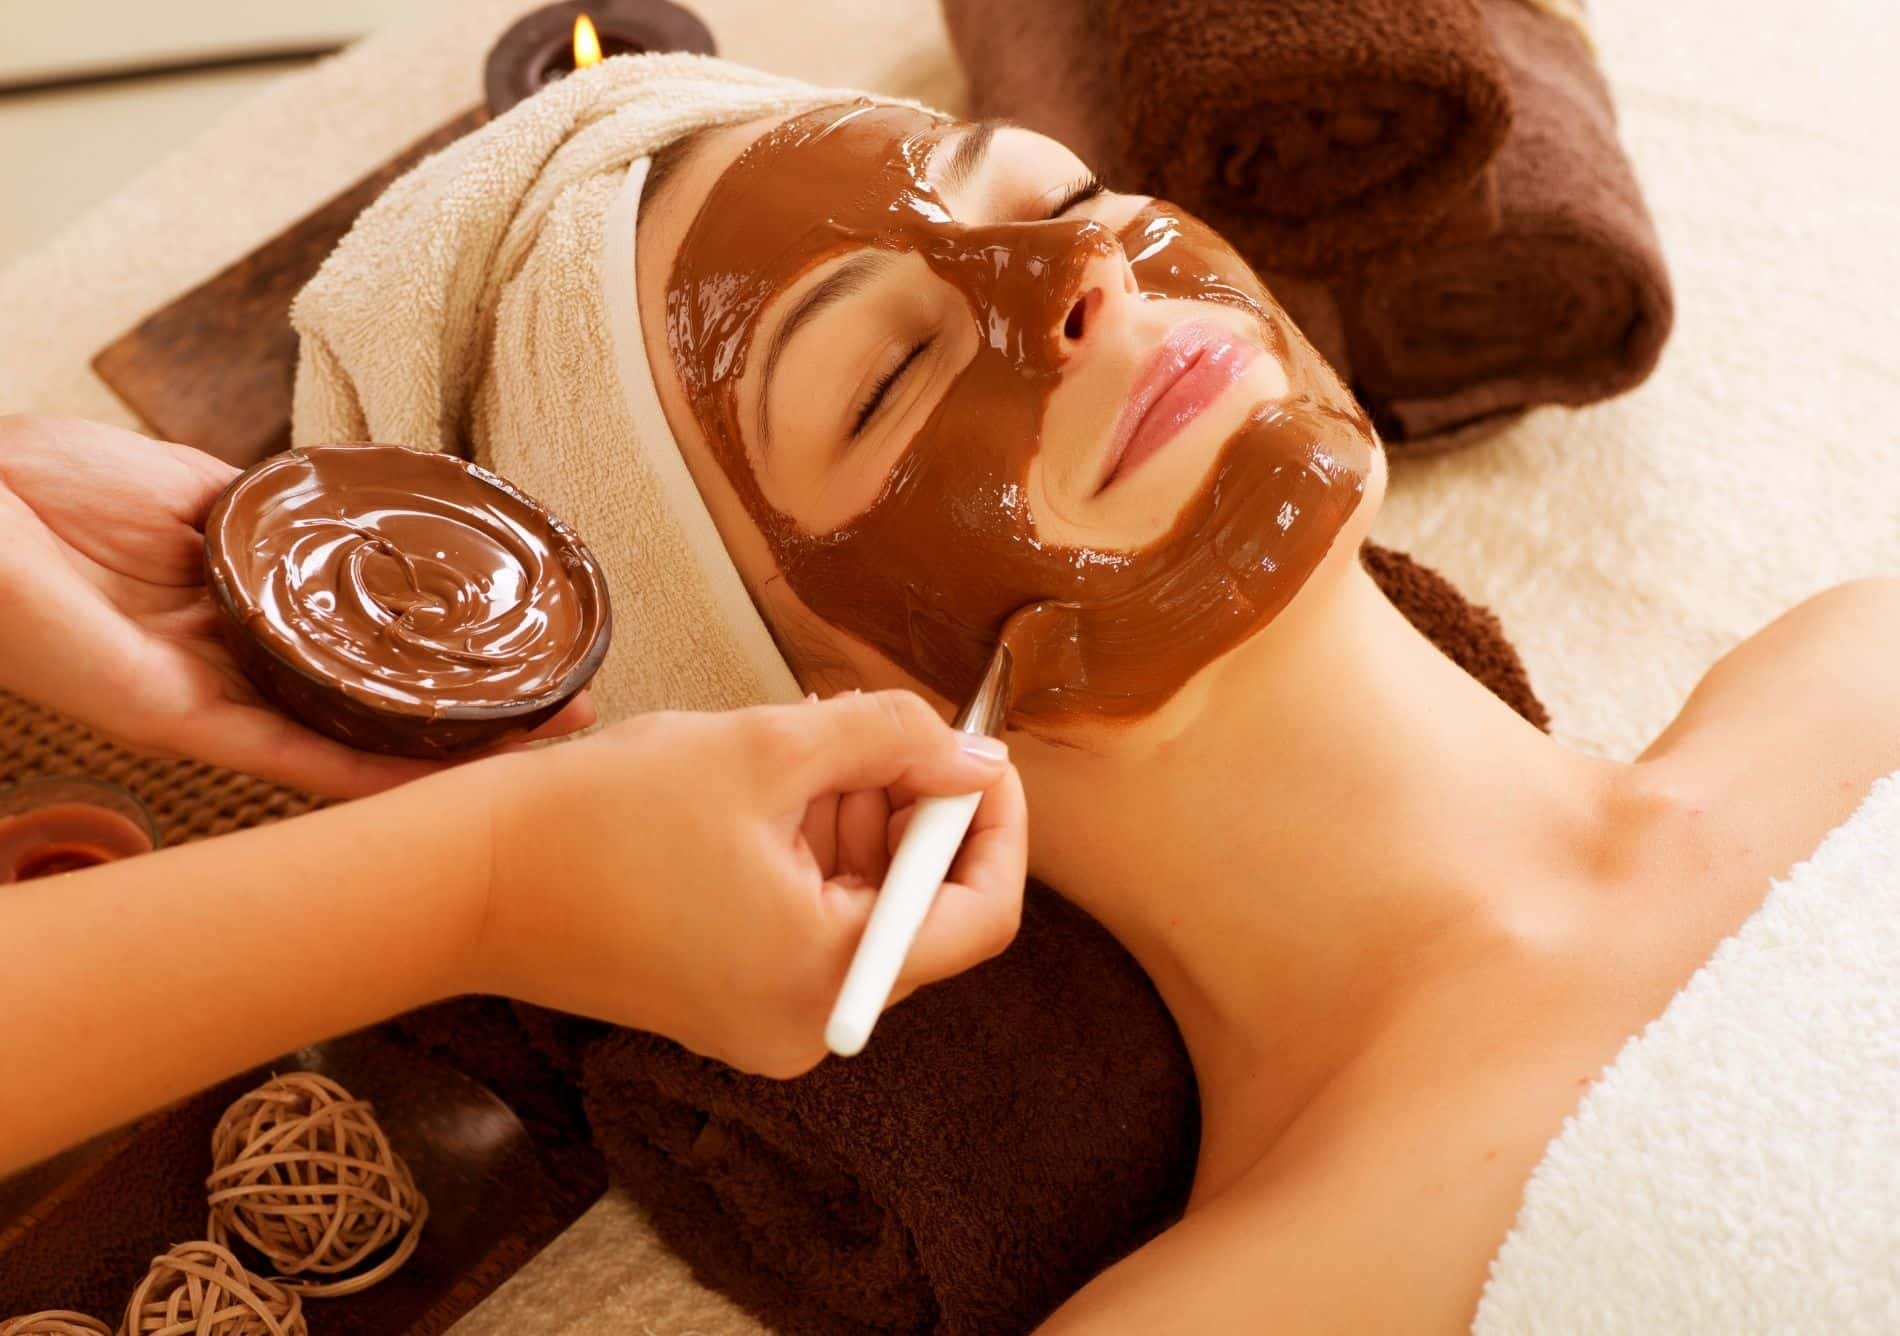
(50,826)
(546,45)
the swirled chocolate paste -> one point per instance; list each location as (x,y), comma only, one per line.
(929,573)
(407,580)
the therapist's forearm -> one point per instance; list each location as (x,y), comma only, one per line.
(131,984)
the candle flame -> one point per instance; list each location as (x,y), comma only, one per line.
(586,43)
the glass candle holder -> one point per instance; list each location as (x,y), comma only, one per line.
(49,826)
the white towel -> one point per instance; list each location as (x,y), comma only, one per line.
(1737,1168)
(466,310)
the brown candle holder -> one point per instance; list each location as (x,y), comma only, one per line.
(65,824)
(539,48)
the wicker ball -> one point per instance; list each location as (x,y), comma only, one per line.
(200,1287)
(54,1323)
(302,1173)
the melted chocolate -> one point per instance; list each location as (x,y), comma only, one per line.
(406,583)
(929,573)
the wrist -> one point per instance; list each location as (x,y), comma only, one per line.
(504,802)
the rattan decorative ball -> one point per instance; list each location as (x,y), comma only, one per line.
(200,1287)
(62,1322)
(302,1173)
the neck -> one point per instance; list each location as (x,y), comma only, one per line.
(1346,818)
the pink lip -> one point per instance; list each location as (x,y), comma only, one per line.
(1190,370)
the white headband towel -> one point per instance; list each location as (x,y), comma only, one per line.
(641,394)
(486,304)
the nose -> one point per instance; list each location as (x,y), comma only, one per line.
(1039,292)
(1104,283)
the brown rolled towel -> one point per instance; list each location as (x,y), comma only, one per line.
(1007,1134)
(1311,132)
(1565,299)
(1044,66)
(1567,303)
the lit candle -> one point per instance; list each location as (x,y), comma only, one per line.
(586,43)
(63,825)
(552,42)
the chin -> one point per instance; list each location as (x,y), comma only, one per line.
(1353,533)
(1342,553)
(1375,490)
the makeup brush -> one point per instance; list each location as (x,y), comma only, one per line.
(923,857)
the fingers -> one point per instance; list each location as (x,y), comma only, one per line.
(994,859)
(336,770)
(862,819)
(258,741)
(879,739)
(977,911)
(201,478)
(128,503)
(318,765)
(577,714)
(241,732)
(821,832)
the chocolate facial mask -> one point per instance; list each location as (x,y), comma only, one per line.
(931,571)
(403,600)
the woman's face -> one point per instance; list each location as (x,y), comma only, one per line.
(943,375)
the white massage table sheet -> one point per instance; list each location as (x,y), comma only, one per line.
(1625,546)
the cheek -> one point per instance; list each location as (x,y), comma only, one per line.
(964,534)
(817,473)
(818,495)
(1140,510)
(824,659)
(752,553)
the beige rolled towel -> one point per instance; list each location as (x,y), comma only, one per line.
(466,311)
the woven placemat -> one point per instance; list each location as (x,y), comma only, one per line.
(188,799)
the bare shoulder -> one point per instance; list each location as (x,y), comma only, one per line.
(1832,662)
(1809,705)
(1853,626)
(1228,1266)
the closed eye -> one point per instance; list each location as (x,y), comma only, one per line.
(881,391)
(1078,194)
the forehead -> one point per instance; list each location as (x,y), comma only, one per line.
(860,143)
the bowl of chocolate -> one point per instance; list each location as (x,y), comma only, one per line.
(403,601)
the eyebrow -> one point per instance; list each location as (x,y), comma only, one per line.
(969,153)
(973,146)
(852,276)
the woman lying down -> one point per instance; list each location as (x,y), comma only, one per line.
(835,386)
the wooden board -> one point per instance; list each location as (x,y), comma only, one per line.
(81,1231)
(214,368)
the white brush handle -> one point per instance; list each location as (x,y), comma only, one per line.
(923,858)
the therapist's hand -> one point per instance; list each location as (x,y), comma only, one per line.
(707,876)
(107,618)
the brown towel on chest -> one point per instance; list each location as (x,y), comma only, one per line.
(1006,1134)
(1308,131)
(1567,303)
